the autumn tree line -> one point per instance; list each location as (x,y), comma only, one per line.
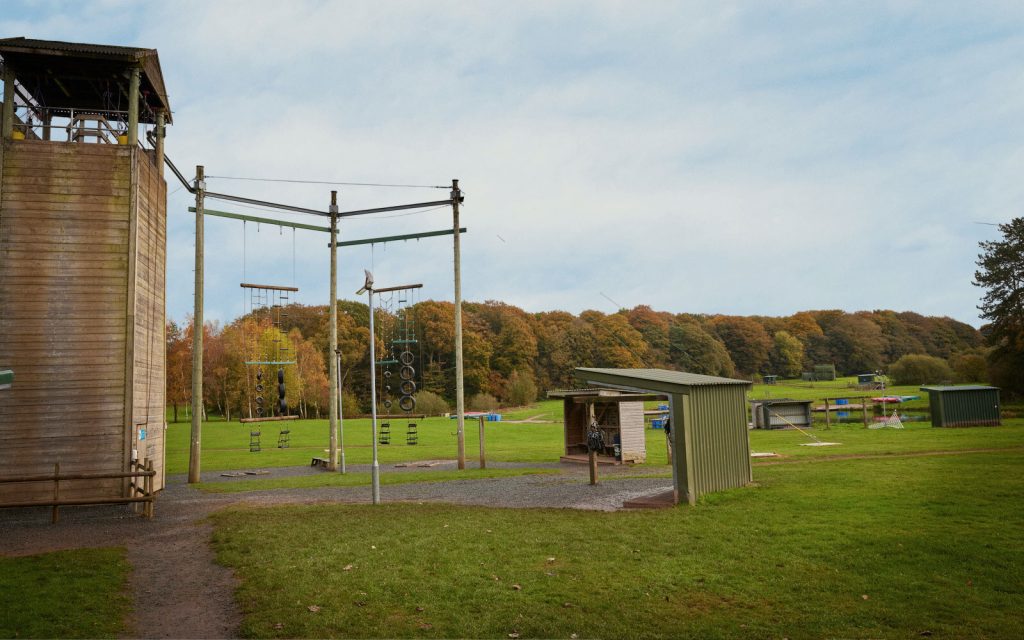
(513,356)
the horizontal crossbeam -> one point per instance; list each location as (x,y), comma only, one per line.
(407,236)
(242,216)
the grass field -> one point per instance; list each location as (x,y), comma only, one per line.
(226,445)
(65,594)
(908,547)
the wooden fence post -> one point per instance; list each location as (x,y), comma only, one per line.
(828,419)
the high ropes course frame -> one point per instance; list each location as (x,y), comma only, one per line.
(333,215)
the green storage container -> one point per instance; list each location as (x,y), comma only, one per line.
(963,406)
(824,372)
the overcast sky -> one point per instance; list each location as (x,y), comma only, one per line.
(747,158)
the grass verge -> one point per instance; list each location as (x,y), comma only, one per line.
(79,593)
(907,547)
(363,479)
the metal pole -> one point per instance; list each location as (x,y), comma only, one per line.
(460,397)
(375,468)
(333,346)
(341,415)
(483,457)
(197,337)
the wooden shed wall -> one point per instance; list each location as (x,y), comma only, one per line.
(148,313)
(631,431)
(576,423)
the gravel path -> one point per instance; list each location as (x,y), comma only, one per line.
(178,589)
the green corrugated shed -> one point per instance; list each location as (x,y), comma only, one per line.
(963,406)
(824,372)
(710,444)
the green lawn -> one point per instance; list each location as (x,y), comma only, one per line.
(65,594)
(909,547)
(226,445)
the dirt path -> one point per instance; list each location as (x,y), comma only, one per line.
(177,588)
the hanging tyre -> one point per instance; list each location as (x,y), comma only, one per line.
(387,404)
(259,388)
(407,403)
(408,387)
(407,373)
(406,357)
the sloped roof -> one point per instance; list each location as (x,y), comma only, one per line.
(652,379)
(62,75)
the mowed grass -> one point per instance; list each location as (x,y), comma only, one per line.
(225,445)
(909,547)
(363,479)
(65,594)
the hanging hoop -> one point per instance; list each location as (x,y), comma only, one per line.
(408,387)
(406,357)
(407,373)
(407,403)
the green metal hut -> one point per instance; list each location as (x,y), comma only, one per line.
(963,406)
(710,443)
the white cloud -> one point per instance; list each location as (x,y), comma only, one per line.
(703,158)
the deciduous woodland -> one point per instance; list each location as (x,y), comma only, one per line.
(513,356)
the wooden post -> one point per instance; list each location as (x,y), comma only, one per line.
(593,466)
(828,420)
(56,492)
(149,489)
(332,365)
(864,410)
(197,338)
(161,133)
(668,446)
(460,398)
(483,457)
(7,116)
(133,107)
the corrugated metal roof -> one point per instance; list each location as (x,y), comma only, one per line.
(105,50)
(664,376)
(965,387)
(63,75)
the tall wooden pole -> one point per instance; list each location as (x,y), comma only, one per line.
(333,347)
(133,107)
(460,396)
(197,337)
(161,132)
(7,116)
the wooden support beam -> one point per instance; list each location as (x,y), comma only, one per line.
(268,419)
(7,115)
(133,107)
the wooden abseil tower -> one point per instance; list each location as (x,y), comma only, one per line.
(83,208)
